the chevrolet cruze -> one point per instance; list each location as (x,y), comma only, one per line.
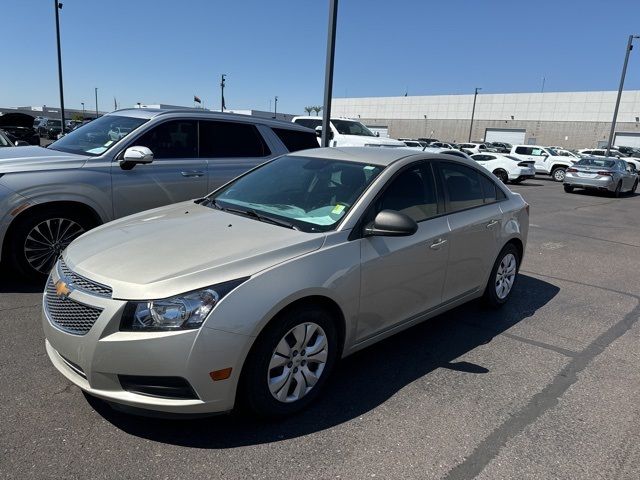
(251,294)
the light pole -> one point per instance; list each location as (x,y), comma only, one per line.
(222,105)
(328,75)
(275,107)
(82,110)
(473,111)
(624,73)
(96,102)
(58,6)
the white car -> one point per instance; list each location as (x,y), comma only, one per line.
(472,148)
(613,153)
(546,160)
(567,153)
(414,145)
(346,132)
(441,145)
(506,167)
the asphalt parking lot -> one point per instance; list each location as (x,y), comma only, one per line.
(547,387)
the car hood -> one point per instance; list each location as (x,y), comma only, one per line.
(182,247)
(13,160)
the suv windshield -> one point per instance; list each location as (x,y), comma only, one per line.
(308,194)
(349,127)
(98,136)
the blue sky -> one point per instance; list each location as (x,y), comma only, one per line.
(167,51)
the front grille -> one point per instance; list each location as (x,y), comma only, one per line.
(81,283)
(67,314)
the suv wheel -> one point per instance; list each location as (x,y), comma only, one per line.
(38,240)
(503,276)
(558,174)
(502,175)
(290,363)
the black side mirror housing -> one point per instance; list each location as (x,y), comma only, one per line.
(390,223)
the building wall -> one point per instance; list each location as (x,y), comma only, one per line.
(566,134)
(571,119)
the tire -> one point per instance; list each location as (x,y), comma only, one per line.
(502,176)
(568,188)
(258,383)
(618,190)
(558,174)
(28,253)
(494,295)
(634,188)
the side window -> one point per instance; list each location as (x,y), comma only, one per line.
(173,139)
(231,139)
(490,190)
(309,122)
(523,150)
(412,193)
(296,140)
(480,158)
(537,152)
(462,185)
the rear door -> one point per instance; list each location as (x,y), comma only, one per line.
(474,219)
(230,149)
(176,173)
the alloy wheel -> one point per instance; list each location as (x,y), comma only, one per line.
(297,362)
(558,175)
(46,241)
(505,276)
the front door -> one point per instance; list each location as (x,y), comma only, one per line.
(402,277)
(176,173)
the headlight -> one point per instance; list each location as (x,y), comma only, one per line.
(185,311)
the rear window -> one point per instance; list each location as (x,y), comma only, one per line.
(230,139)
(295,140)
(311,123)
(596,162)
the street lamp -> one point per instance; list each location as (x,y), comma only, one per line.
(82,110)
(58,6)
(328,75)
(96,102)
(473,111)
(275,107)
(624,73)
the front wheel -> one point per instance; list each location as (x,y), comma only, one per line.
(503,276)
(37,240)
(634,188)
(558,174)
(289,363)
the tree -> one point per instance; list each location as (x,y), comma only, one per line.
(308,110)
(77,117)
(317,109)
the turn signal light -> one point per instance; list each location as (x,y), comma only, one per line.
(220,374)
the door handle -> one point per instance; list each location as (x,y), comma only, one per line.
(192,173)
(492,223)
(437,244)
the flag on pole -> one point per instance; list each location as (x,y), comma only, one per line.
(197,99)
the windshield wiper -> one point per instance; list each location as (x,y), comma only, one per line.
(258,216)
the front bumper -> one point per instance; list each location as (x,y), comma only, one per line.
(598,183)
(94,360)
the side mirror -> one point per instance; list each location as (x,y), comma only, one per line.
(21,143)
(389,223)
(377,134)
(134,156)
(319,131)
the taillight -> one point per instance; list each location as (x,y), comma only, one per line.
(524,164)
(526,207)
(605,174)
(572,170)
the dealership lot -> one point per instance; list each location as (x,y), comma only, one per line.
(545,388)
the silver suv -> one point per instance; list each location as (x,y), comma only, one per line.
(123,163)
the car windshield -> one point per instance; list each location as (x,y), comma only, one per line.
(349,127)
(308,194)
(596,162)
(552,152)
(98,136)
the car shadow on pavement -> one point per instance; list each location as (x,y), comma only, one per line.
(360,382)
(11,282)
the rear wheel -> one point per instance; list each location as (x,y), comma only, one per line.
(37,240)
(503,276)
(616,192)
(502,175)
(289,363)
(634,188)
(568,188)
(558,174)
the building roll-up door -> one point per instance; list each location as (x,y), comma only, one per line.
(627,140)
(507,135)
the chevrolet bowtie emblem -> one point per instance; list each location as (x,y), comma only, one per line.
(62,289)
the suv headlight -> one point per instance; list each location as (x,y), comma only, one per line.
(182,312)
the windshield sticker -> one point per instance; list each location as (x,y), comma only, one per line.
(97,150)
(337,210)
(108,143)
(369,168)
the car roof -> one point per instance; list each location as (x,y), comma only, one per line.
(372,155)
(149,113)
